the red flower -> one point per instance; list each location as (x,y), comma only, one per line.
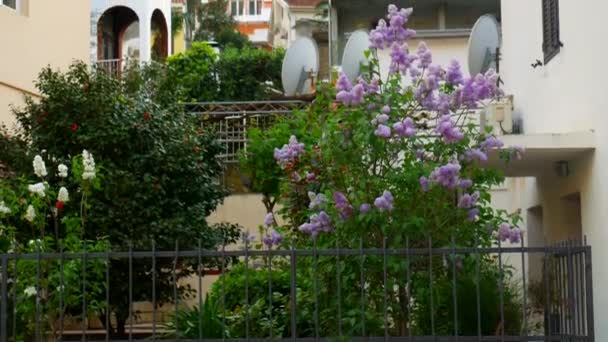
(196,149)
(200,131)
(21,201)
(59,205)
(147,116)
(74,127)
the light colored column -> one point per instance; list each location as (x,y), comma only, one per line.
(145,36)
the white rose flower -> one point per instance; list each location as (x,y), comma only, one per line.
(63,195)
(63,170)
(89,165)
(30,213)
(37,189)
(4,209)
(39,167)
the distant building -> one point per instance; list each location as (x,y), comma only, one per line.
(253,18)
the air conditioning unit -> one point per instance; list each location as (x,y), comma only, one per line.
(499,115)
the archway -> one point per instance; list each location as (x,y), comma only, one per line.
(117,38)
(160,36)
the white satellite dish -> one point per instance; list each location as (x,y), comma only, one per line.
(354,54)
(300,67)
(484,45)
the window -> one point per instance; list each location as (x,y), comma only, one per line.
(551,42)
(252,7)
(234,5)
(10,3)
(240,6)
(258,9)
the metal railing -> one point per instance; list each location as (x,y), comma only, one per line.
(231,120)
(355,294)
(113,67)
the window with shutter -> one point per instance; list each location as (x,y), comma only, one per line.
(551,39)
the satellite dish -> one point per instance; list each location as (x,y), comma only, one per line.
(484,44)
(354,54)
(300,67)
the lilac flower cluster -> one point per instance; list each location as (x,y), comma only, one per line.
(382,130)
(491,142)
(345,210)
(405,128)
(269,220)
(274,239)
(449,132)
(401,59)
(447,175)
(373,87)
(385,201)
(506,233)
(348,94)
(475,89)
(316,200)
(385,35)
(469,201)
(454,74)
(289,152)
(364,208)
(319,223)
(475,154)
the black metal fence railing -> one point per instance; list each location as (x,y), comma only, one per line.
(413,293)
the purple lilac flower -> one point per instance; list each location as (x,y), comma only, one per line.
(380,119)
(386,109)
(364,208)
(384,202)
(468,200)
(269,220)
(401,60)
(274,239)
(415,72)
(515,236)
(465,183)
(316,200)
(491,142)
(504,231)
(345,209)
(472,214)
(424,184)
(425,58)
(370,107)
(373,87)
(475,154)
(383,131)
(475,89)
(448,131)
(384,35)
(289,152)
(357,94)
(447,175)
(319,223)
(343,83)
(442,103)
(454,74)
(311,176)
(405,128)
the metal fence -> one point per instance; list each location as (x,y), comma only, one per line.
(356,294)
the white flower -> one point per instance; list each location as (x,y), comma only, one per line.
(30,291)
(63,195)
(63,170)
(4,209)
(89,165)
(39,167)
(30,213)
(37,188)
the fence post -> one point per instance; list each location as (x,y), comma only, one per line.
(4,300)
(589,293)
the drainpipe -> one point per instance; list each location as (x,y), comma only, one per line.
(329,44)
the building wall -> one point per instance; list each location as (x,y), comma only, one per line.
(44,33)
(566,95)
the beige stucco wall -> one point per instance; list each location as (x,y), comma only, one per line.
(43,33)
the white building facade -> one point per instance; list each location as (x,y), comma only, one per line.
(553,65)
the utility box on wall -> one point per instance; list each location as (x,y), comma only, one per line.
(499,115)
